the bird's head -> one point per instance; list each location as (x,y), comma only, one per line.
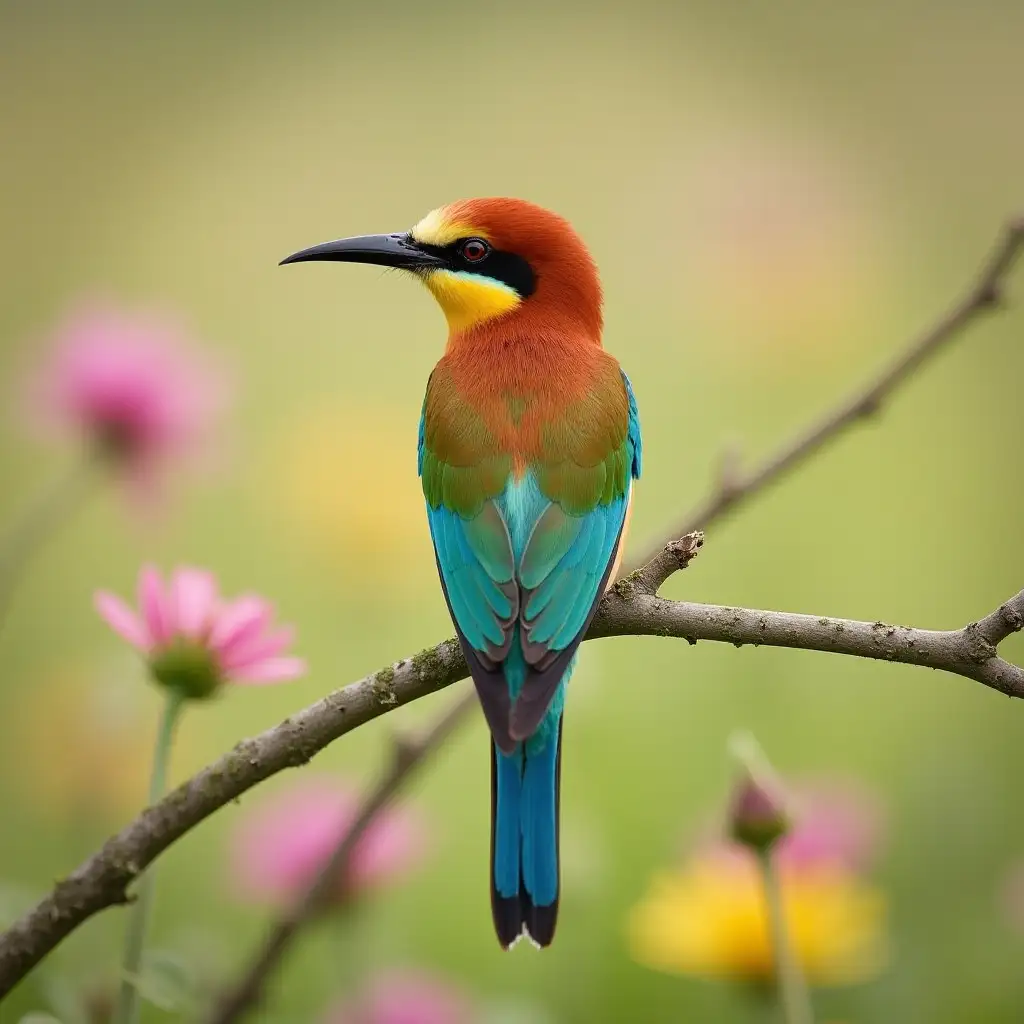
(489,260)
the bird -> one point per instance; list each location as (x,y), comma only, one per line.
(529,445)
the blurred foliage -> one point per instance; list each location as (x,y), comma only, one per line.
(777,195)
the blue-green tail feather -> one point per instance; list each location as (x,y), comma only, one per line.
(508,799)
(524,830)
(538,817)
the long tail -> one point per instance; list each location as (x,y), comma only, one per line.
(525,789)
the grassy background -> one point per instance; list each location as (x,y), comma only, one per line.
(777,195)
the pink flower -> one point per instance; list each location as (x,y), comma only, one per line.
(279,847)
(833,820)
(130,385)
(405,997)
(194,640)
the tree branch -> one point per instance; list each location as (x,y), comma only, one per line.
(969,652)
(631,607)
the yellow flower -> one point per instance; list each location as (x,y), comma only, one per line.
(347,490)
(710,918)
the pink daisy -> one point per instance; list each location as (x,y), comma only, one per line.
(131,386)
(194,640)
(281,844)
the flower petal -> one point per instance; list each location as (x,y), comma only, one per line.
(193,596)
(399,995)
(121,619)
(256,647)
(390,846)
(271,670)
(280,844)
(155,607)
(237,620)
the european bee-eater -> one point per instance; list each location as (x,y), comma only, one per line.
(529,442)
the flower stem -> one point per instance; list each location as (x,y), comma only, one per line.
(792,988)
(127,1011)
(39,520)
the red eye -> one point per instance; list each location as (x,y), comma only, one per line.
(474,250)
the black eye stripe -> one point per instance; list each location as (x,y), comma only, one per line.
(506,267)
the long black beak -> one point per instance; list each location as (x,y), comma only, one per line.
(397,250)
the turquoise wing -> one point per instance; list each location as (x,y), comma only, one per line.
(478,572)
(562,570)
(566,559)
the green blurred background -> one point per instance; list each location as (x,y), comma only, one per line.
(778,195)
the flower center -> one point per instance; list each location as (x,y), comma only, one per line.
(117,437)
(186,667)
